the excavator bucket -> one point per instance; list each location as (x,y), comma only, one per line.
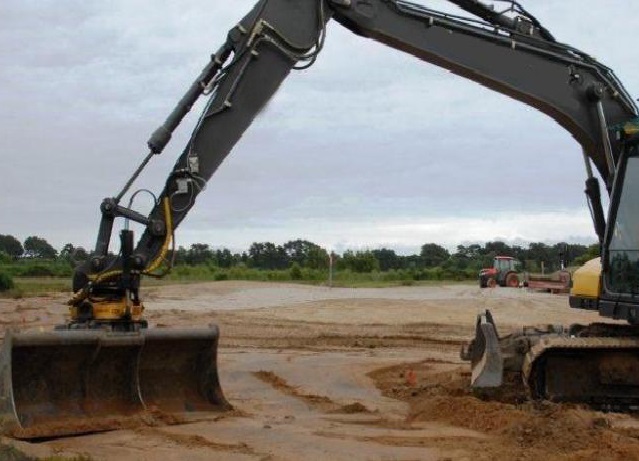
(67,382)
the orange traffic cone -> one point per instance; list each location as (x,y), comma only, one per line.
(411,378)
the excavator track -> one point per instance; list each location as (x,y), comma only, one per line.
(601,372)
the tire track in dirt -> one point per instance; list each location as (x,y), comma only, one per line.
(317,402)
(444,443)
(325,342)
(263,333)
(198,441)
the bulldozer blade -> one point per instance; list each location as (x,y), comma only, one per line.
(484,353)
(67,382)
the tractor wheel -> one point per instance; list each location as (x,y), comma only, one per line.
(512,280)
(491,283)
(482,282)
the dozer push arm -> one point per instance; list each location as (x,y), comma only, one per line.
(507,52)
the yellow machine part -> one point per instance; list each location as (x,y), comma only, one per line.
(112,310)
(586,281)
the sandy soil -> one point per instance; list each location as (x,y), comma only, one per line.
(317,373)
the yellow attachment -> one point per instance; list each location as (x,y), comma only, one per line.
(104,276)
(630,128)
(167,240)
(586,281)
(112,310)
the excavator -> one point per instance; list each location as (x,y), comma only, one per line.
(106,363)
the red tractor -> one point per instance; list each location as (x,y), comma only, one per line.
(505,273)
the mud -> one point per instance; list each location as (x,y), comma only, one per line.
(361,374)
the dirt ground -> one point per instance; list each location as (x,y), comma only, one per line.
(320,373)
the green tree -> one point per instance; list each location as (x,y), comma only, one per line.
(224,258)
(542,253)
(199,253)
(5,258)
(296,272)
(456,261)
(11,246)
(387,259)
(37,247)
(267,255)
(180,256)
(317,258)
(472,251)
(73,254)
(67,251)
(592,252)
(361,261)
(498,248)
(6,282)
(306,254)
(433,255)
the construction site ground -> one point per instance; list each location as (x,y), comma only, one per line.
(319,373)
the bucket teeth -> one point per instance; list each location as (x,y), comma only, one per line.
(72,381)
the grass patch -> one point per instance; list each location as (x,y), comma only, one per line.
(26,287)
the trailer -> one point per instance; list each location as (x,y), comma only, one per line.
(557,282)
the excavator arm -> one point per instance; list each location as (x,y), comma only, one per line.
(514,56)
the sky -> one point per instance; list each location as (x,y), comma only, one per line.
(368,148)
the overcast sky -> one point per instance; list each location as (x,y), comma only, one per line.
(368,148)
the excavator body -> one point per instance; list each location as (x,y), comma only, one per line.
(586,285)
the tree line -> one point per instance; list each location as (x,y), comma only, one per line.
(304,254)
